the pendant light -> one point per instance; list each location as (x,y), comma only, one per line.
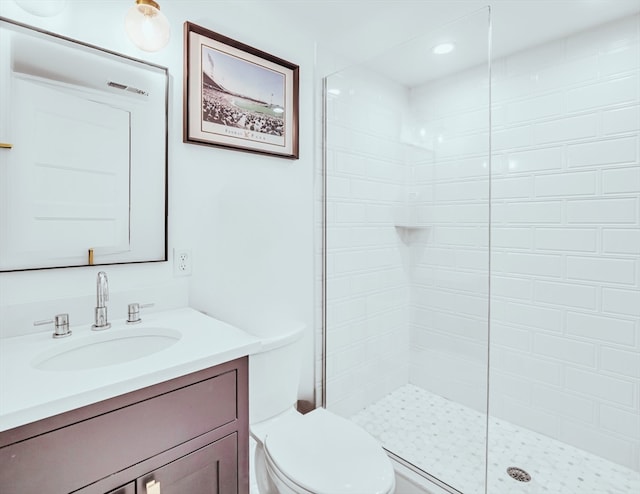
(146,26)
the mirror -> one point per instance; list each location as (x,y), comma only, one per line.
(83,159)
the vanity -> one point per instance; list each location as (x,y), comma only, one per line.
(174,420)
(156,405)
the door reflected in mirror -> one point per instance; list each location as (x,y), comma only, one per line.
(83,173)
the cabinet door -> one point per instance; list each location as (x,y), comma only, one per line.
(209,470)
(125,489)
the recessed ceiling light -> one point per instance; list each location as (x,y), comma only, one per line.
(443,48)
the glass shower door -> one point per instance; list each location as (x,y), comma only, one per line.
(565,304)
(407,173)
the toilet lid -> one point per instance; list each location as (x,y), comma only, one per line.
(327,454)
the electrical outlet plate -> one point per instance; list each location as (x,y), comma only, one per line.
(182,262)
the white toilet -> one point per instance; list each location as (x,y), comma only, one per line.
(316,453)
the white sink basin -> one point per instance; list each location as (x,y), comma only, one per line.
(104,349)
(58,375)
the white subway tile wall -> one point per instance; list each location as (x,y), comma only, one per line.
(410,304)
(367,290)
(566,241)
(451,182)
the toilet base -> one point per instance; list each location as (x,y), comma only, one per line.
(262,480)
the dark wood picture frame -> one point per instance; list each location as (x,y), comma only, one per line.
(238,97)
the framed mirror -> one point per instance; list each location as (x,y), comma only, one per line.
(83,156)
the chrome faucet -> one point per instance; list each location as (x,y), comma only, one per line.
(102,289)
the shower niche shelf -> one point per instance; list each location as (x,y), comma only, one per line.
(412,232)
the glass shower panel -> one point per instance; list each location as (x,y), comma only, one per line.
(407,169)
(565,303)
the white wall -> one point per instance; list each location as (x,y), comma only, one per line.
(247,218)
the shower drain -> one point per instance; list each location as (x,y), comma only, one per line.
(519,474)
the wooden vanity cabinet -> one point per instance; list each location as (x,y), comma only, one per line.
(189,435)
(130,488)
(211,469)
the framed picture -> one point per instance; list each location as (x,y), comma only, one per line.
(238,97)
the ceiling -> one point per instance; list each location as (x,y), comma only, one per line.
(390,33)
(394,36)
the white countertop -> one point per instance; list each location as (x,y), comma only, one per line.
(28,394)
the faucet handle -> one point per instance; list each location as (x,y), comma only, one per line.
(133,311)
(61,322)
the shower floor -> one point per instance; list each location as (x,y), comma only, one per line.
(447,440)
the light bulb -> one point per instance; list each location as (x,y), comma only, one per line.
(146,26)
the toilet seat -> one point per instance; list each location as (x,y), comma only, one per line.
(323,453)
(283,484)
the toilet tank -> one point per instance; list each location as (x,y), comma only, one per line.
(274,374)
